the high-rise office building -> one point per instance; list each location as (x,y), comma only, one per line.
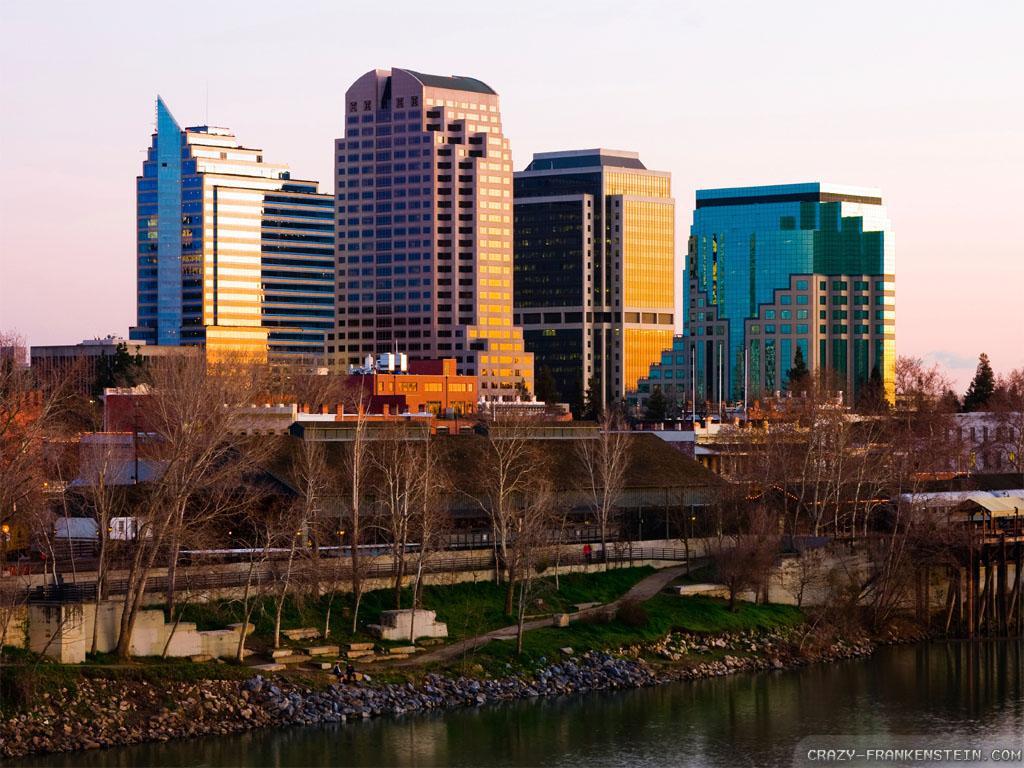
(778,268)
(233,254)
(594,268)
(424,224)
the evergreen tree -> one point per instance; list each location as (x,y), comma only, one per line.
(949,402)
(871,398)
(122,369)
(798,376)
(656,408)
(982,387)
(592,401)
(522,390)
(547,389)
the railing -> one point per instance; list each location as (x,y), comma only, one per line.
(332,571)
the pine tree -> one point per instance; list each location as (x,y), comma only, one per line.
(982,387)
(797,376)
(592,400)
(871,398)
(522,390)
(656,408)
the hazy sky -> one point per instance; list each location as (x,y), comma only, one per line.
(922,99)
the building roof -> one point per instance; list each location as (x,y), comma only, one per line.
(1005,506)
(585,158)
(453,82)
(818,192)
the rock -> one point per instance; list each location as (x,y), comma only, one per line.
(560,620)
(566,651)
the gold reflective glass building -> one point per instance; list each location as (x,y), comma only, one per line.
(594,269)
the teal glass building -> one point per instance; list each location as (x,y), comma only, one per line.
(771,269)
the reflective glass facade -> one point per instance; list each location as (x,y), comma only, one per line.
(233,254)
(594,267)
(776,268)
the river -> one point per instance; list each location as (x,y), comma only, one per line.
(954,695)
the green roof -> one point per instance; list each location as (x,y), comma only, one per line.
(453,83)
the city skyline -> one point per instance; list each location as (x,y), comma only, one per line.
(936,133)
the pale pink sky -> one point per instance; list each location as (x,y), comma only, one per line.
(921,99)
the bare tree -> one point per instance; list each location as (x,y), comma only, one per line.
(745,550)
(605,460)
(531,520)
(508,469)
(201,461)
(357,400)
(105,500)
(1009,408)
(400,459)
(30,416)
(432,523)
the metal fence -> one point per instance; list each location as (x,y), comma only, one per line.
(334,571)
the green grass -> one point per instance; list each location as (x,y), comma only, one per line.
(468,608)
(666,613)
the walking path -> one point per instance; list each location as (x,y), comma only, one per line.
(644,589)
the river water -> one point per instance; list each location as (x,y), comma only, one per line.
(949,695)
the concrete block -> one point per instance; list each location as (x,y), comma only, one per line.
(409,624)
(406,649)
(298,658)
(269,667)
(361,646)
(322,650)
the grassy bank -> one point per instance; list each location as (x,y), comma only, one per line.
(469,608)
(641,623)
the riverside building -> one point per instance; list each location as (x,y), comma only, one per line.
(594,268)
(233,254)
(773,269)
(423,186)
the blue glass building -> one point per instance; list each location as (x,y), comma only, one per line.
(775,268)
(232,253)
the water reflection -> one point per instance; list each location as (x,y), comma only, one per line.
(972,692)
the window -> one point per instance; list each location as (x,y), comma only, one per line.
(769,314)
(801,285)
(785,299)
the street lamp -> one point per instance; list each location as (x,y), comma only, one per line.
(5,536)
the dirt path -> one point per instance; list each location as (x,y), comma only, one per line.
(642,590)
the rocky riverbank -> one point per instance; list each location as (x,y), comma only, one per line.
(96,713)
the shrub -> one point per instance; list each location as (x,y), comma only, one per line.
(632,614)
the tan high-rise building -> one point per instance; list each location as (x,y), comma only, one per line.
(595,269)
(424,228)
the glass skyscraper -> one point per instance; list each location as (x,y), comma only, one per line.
(594,268)
(233,254)
(424,224)
(775,268)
